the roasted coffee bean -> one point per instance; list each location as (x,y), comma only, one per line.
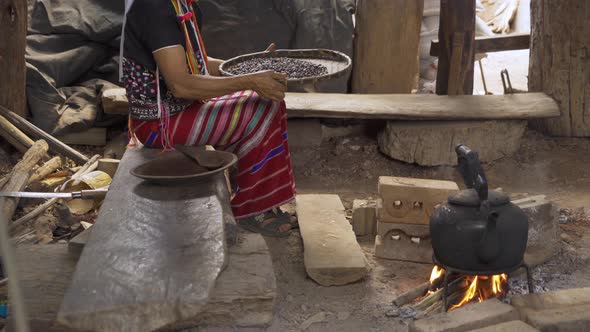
(294,68)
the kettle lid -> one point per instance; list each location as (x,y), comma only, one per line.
(469,197)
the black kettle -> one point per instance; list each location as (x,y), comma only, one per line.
(478,231)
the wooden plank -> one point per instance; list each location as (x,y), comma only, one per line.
(560,65)
(142,255)
(456,16)
(386,46)
(332,256)
(55,145)
(92,136)
(484,44)
(13,31)
(419,107)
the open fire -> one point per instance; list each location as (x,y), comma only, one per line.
(466,289)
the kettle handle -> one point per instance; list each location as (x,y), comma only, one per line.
(471,171)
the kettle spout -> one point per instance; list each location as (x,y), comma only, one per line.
(489,247)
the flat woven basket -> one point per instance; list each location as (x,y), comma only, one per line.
(337,63)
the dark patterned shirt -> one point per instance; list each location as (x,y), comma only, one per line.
(151,25)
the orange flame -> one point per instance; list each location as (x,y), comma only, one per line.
(480,287)
(436,273)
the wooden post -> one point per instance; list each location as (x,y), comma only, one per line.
(13,31)
(457,19)
(560,63)
(386,45)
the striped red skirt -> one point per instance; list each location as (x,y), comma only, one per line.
(253,128)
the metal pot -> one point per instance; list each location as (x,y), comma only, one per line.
(476,231)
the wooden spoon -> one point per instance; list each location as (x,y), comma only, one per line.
(204,158)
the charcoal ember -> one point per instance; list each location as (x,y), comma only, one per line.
(294,68)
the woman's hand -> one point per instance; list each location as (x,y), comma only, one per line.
(269,84)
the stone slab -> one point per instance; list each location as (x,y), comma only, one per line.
(513,326)
(137,270)
(410,200)
(364,216)
(552,300)
(467,318)
(543,233)
(432,143)
(566,319)
(332,255)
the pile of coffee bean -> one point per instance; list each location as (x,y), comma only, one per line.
(294,68)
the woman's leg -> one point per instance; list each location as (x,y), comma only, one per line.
(254,129)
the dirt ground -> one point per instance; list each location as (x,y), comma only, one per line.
(350,168)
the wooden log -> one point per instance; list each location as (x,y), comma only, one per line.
(92,136)
(421,107)
(560,63)
(55,145)
(14,136)
(456,16)
(13,32)
(19,177)
(411,294)
(386,45)
(484,44)
(49,167)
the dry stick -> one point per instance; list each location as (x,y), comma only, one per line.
(411,294)
(55,144)
(14,136)
(20,176)
(19,224)
(47,168)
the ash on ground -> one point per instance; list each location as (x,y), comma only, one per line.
(294,68)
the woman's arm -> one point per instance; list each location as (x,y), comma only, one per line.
(171,62)
(213,66)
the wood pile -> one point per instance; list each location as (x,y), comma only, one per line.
(46,166)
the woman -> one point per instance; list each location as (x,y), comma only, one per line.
(177,97)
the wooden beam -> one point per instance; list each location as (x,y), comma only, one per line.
(413,107)
(421,107)
(457,18)
(13,31)
(391,28)
(483,44)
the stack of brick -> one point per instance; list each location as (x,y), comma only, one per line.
(403,217)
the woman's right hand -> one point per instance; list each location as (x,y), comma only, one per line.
(269,84)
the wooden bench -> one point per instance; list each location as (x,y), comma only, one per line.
(154,255)
(522,106)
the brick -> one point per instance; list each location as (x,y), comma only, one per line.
(411,201)
(512,326)
(543,228)
(364,217)
(566,319)
(332,256)
(470,317)
(394,241)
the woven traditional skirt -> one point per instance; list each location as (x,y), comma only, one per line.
(253,128)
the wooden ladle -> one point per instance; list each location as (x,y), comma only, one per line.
(204,158)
